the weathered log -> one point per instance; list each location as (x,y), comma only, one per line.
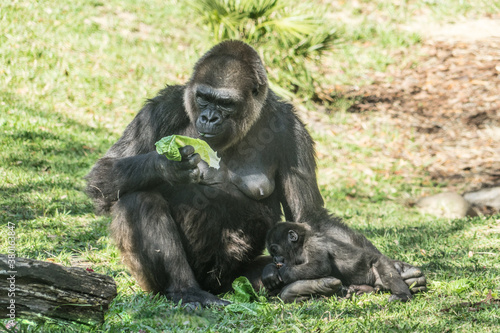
(33,288)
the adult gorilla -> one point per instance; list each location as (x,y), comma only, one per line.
(184,229)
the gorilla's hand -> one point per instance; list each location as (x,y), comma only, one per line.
(412,276)
(271,278)
(286,274)
(181,172)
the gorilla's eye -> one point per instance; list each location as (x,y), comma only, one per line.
(201,101)
(226,106)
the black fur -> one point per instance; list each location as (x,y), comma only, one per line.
(326,247)
(184,229)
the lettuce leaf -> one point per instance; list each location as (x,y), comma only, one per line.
(246,299)
(169,146)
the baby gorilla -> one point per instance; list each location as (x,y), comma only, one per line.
(312,254)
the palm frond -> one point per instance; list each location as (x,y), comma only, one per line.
(285,34)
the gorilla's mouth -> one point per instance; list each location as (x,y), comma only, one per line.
(207,135)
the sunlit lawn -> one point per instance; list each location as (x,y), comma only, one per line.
(72,76)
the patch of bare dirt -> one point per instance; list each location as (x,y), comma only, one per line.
(469,30)
(448,106)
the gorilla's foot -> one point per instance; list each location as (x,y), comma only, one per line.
(193,298)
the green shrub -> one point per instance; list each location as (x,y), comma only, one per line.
(290,38)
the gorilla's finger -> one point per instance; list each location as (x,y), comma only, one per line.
(415,290)
(411,272)
(416,282)
(194,159)
(195,305)
(186,151)
(274,284)
(270,277)
(192,306)
(195,175)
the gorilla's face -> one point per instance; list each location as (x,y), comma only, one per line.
(285,243)
(218,113)
(224,100)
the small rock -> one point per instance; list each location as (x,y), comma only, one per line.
(489,197)
(448,204)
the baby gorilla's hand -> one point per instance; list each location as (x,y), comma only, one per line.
(271,278)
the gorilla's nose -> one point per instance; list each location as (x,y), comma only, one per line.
(279,260)
(210,118)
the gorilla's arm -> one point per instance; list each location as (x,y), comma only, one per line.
(311,269)
(112,177)
(300,194)
(132,163)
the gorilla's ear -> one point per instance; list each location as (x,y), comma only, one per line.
(260,77)
(260,72)
(255,90)
(292,236)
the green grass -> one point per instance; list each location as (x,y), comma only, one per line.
(73,74)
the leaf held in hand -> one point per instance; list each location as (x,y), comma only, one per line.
(169,146)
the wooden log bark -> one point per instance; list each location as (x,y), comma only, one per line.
(47,289)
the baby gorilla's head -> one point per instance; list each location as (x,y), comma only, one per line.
(285,243)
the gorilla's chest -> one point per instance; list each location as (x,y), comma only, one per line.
(255,180)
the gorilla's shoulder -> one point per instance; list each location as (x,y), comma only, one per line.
(281,108)
(167,105)
(169,94)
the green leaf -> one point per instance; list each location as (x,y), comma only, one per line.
(290,37)
(243,290)
(169,146)
(460,285)
(245,298)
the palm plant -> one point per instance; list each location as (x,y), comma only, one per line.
(289,37)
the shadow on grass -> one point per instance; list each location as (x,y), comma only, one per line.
(424,233)
(444,249)
(20,202)
(45,153)
(45,138)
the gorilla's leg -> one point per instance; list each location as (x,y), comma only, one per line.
(306,289)
(151,247)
